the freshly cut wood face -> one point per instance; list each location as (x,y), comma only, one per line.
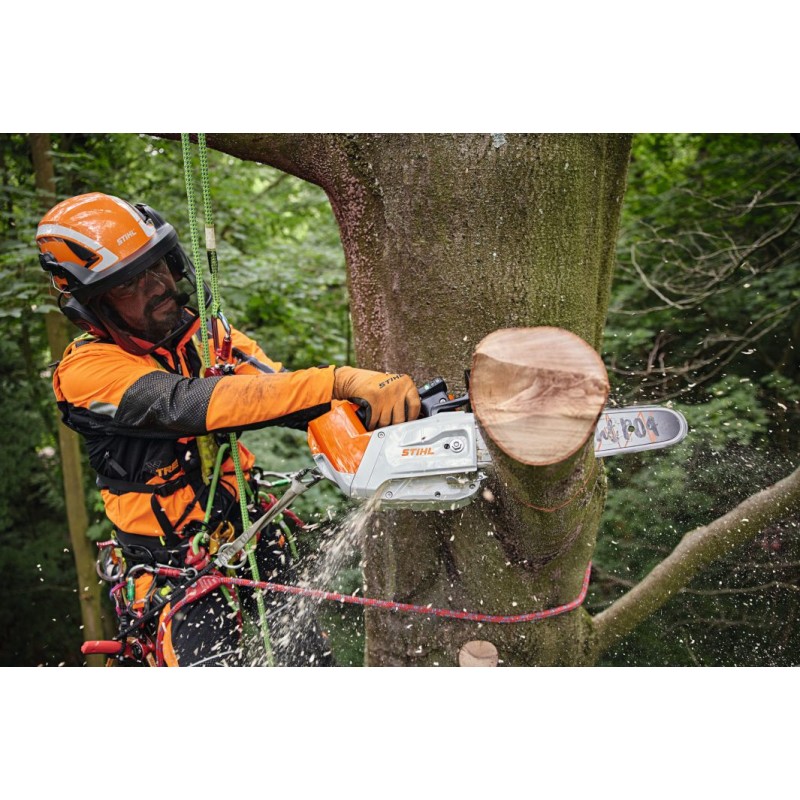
(537,392)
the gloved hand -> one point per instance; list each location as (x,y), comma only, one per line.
(387,399)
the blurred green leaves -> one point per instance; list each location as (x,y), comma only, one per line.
(704,313)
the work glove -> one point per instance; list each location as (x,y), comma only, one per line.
(386,399)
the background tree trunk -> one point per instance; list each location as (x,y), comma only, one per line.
(58,337)
(448,238)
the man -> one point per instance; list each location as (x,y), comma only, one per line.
(132,386)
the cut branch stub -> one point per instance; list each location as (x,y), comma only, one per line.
(537,392)
(478,653)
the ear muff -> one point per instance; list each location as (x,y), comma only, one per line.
(82,316)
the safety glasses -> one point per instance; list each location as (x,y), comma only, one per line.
(125,291)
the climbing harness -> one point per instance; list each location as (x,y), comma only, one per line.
(176,587)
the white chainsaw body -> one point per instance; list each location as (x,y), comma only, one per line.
(438,462)
(431,463)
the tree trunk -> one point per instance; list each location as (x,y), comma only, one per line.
(83,550)
(447,239)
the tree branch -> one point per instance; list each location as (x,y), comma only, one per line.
(299,154)
(694,552)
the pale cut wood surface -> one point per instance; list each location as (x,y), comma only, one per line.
(537,392)
(478,653)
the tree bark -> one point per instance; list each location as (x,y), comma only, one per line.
(83,550)
(449,238)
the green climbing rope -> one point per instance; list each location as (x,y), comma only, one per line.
(205,349)
(205,353)
(208,214)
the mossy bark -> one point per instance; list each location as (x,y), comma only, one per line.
(448,238)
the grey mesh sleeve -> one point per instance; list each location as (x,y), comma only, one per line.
(170,403)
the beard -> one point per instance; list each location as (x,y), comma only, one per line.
(160,320)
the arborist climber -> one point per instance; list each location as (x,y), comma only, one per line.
(133,387)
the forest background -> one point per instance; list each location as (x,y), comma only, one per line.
(703,316)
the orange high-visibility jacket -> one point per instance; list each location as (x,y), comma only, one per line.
(141,416)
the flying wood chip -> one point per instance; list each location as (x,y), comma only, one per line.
(537,392)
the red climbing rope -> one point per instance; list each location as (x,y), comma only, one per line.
(214,581)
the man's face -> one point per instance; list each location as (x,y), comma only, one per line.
(147,303)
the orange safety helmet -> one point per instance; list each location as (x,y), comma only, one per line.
(93,242)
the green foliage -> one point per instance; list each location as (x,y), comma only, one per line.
(39,612)
(704,311)
(732,416)
(708,261)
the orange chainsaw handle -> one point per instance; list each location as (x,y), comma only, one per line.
(341,436)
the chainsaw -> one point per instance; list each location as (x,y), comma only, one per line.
(439,460)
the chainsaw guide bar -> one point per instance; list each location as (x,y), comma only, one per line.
(631,430)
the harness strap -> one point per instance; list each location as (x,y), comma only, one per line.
(139,549)
(165,489)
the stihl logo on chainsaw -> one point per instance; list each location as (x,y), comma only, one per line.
(417,451)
